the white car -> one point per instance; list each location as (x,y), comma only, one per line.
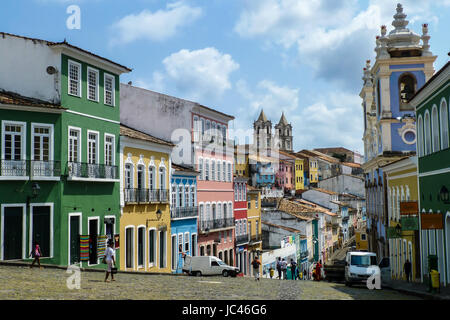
(208,265)
(359,266)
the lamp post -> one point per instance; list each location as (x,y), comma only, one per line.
(158,217)
(443,194)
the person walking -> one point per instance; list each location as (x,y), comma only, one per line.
(36,254)
(279,267)
(318,270)
(407,269)
(293,270)
(284,268)
(110,260)
(256,264)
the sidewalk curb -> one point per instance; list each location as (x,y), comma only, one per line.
(424,295)
(52,266)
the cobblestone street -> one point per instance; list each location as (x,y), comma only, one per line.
(48,283)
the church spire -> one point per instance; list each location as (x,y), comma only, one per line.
(262,117)
(283,120)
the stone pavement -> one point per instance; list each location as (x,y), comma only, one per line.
(21,282)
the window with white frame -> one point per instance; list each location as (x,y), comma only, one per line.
(192,196)
(109,89)
(92,153)
(42,142)
(128,176)
(219,172)
(180,196)
(207,169)
(236,195)
(186,196)
(427,133)
(151,177)
(213,170)
(109,150)
(92,83)
(180,242)
(174,196)
(435,128)
(74,145)
(186,241)
(140,176)
(444,125)
(74,79)
(152,247)
(13,141)
(200,169)
(162,178)
(420,135)
(229,172)
(224,173)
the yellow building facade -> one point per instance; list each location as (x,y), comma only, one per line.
(145,235)
(313,170)
(404,240)
(362,243)
(299,174)
(254,222)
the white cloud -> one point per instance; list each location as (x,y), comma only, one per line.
(155,26)
(334,120)
(199,75)
(334,37)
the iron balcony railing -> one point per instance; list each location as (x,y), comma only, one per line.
(183,212)
(209,225)
(14,168)
(35,168)
(45,168)
(138,195)
(243,238)
(91,170)
(256,237)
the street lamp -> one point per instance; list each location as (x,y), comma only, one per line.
(158,217)
(443,194)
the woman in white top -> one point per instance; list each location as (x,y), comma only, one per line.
(110,260)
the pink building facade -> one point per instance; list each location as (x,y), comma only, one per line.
(214,159)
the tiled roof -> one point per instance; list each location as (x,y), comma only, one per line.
(316,207)
(351,164)
(133,133)
(251,188)
(280,227)
(325,191)
(12,98)
(178,167)
(65,43)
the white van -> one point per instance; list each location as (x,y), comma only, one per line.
(359,266)
(208,265)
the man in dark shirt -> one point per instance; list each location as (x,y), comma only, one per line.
(407,268)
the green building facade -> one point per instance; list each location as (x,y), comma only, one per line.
(59,176)
(433,146)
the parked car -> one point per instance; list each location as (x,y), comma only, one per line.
(359,266)
(208,265)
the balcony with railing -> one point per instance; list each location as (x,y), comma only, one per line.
(80,171)
(30,169)
(211,225)
(184,212)
(255,238)
(242,239)
(136,195)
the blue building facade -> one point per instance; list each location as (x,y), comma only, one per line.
(401,68)
(262,173)
(184,215)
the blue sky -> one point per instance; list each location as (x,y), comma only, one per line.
(303,57)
